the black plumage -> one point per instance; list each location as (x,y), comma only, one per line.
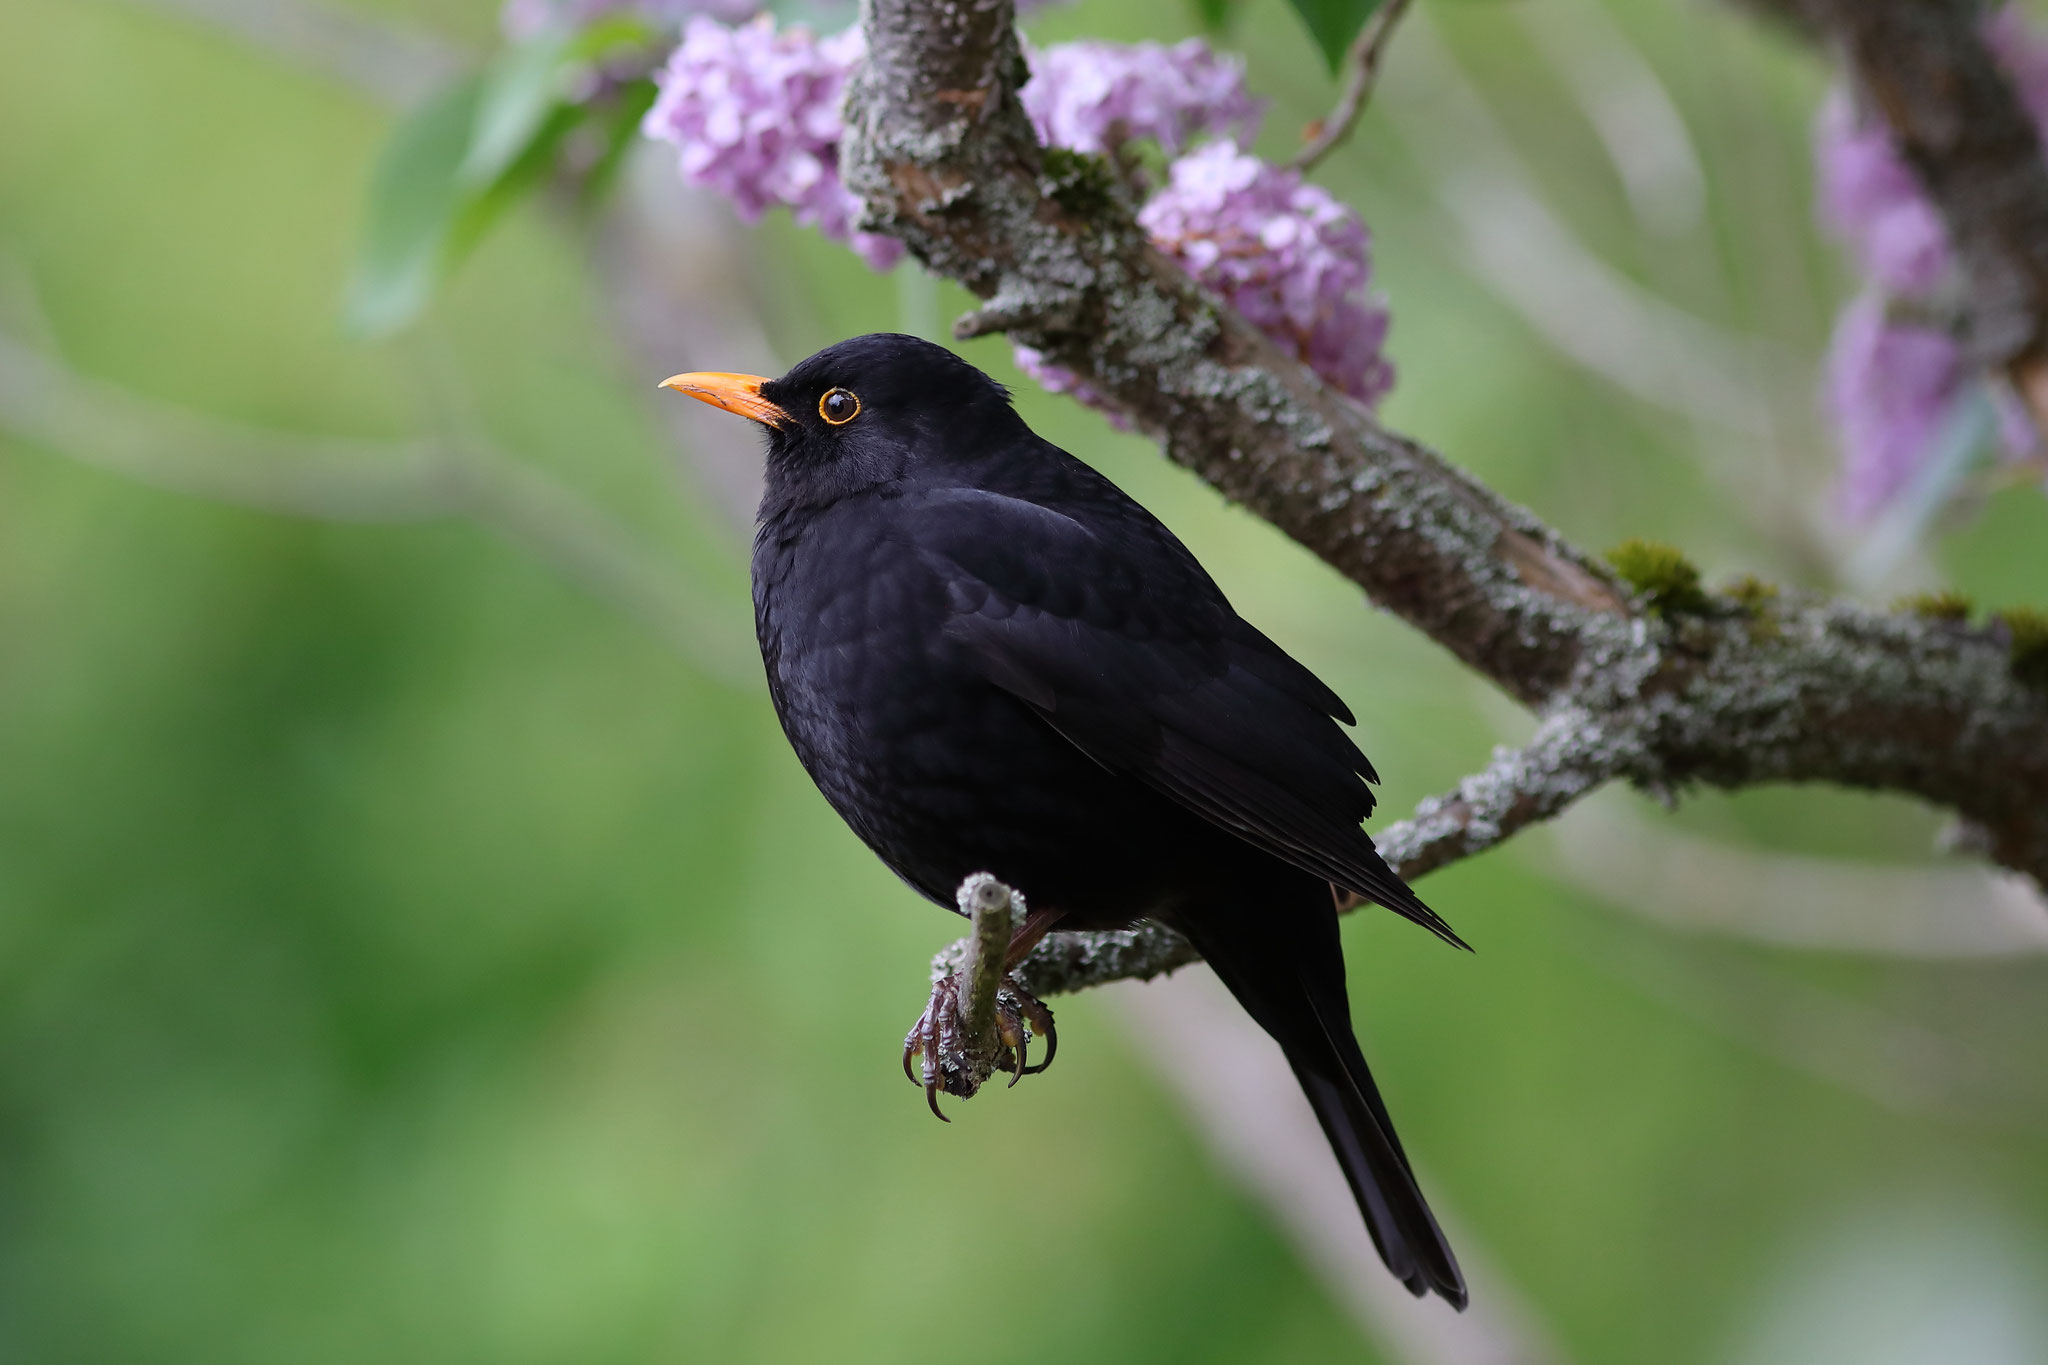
(990,659)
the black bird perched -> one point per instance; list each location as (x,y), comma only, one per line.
(990,659)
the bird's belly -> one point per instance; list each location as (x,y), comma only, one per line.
(944,776)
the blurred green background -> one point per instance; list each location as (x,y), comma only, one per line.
(408,955)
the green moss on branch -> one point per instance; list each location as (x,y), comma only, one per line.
(2026,632)
(1661,574)
(1945,605)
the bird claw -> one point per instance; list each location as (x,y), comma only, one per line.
(950,1061)
(1018,1014)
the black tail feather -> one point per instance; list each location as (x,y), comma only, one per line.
(1355,1120)
(1286,968)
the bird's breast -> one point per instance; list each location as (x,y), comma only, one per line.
(938,770)
(851,626)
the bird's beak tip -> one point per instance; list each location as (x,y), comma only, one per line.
(734,393)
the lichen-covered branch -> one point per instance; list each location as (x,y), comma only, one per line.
(943,153)
(980,1019)
(1567,758)
(1661,694)
(990,905)
(1800,691)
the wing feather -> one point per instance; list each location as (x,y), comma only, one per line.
(1158,679)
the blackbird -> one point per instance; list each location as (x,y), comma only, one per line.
(989,658)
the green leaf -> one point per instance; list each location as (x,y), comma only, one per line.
(424,219)
(476,212)
(621,130)
(1215,14)
(455,165)
(519,88)
(1334,23)
(525,82)
(414,196)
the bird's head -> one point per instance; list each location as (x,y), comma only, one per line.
(865,412)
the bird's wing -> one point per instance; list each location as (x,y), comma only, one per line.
(1115,636)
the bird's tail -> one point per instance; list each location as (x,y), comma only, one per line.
(1287,970)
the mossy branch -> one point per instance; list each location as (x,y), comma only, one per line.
(1637,671)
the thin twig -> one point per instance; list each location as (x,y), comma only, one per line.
(1707,888)
(346,479)
(1569,756)
(994,908)
(393,63)
(1362,69)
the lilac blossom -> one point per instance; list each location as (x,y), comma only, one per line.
(1890,381)
(1871,199)
(1094,97)
(754,115)
(1289,257)
(1891,384)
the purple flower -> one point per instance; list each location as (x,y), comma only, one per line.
(1891,384)
(1094,97)
(1872,200)
(1870,197)
(1891,381)
(754,115)
(1285,254)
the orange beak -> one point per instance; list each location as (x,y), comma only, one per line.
(740,393)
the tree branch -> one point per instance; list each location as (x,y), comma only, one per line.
(955,172)
(993,907)
(1802,689)
(1567,758)
(1361,71)
(348,479)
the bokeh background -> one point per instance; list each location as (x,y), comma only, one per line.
(417,943)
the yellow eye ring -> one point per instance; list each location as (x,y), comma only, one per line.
(839,406)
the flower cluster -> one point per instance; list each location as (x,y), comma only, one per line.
(1094,97)
(1890,383)
(1894,372)
(754,115)
(1285,254)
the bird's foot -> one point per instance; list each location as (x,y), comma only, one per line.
(957,1064)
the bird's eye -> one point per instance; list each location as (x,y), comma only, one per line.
(839,407)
